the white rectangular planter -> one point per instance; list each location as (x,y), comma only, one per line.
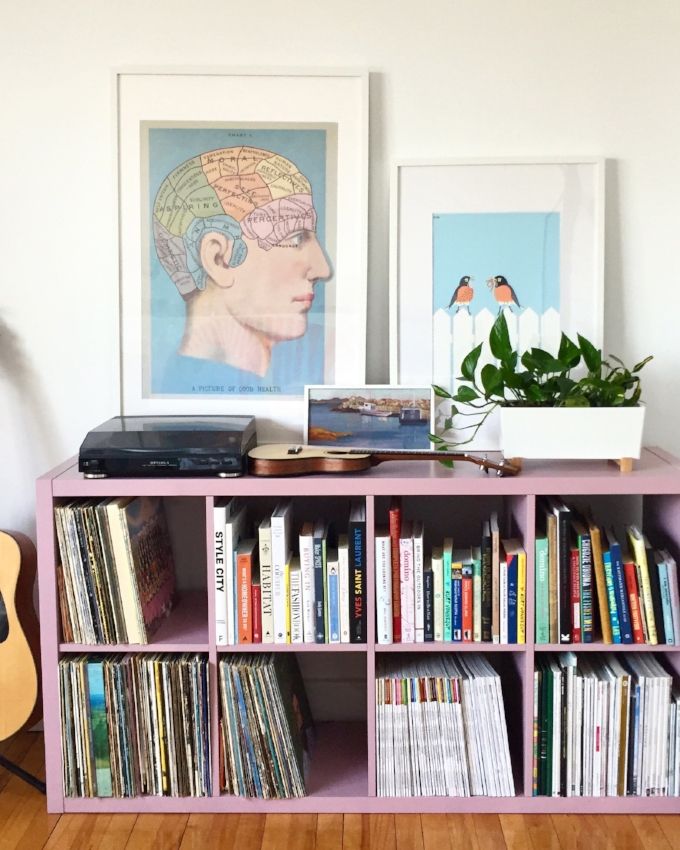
(572,432)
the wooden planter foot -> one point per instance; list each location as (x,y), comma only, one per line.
(625,464)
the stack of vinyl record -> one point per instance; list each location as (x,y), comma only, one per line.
(265,726)
(441,728)
(135,725)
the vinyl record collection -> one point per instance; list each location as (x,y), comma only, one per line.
(441,728)
(135,724)
(265,727)
(605,726)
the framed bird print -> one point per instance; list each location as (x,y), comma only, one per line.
(470,239)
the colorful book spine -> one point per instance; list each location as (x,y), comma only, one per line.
(256,602)
(233,530)
(288,620)
(575,586)
(633,601)
(666,602)
(408,632)
(343,580)
(503,599)
(428,587)
(357,549)
(637,545)
(383,586)
(306,551)
(332,578)
(542,591)
(437,566)
(244,572)
(564,572)
(99,722)
(486,582)
(495,579)
(467,602)
(297,631)
(521,596)
(394,517)
(672,571)
(586,562)
(418,587)
(512,570)
(447,553)
(611,596)
(600,582)
(476,555)
(456,600)
(265,557)
(620,590)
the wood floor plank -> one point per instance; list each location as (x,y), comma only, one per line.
(541,832)
(650,833)
(670,826)
(217,830)
(408,832)
(462,832)
(157,832)
(294,832)
(356,832)
(96,832)
(621,834)
(329,832)
(382,834)
(489,832)
(564,829)
(515,832)
(16,749)
(436,835)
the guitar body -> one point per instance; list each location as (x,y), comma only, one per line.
(19,688)
(304,460)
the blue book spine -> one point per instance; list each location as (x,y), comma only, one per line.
(611,597)
(457,605)
(333,606)
(446,586)
(620,590)
(512,600)
(666,601)
(319,591)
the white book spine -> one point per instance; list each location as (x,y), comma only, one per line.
(408,632)
(280,550)
(418,584)
(296,606)
(219,520)
(266,599)
(343,569)
(383,588)
(438,582)
(503,599)
(307,569)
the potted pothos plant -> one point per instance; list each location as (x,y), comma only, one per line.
(575,404)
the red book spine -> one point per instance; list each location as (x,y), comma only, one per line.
(243,569)
(634,602)
(256,601)
(575,566)
(467,609)
(395,534)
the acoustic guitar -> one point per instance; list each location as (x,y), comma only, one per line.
(283,459)
(19,636)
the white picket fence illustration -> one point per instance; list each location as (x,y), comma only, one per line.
(454,336)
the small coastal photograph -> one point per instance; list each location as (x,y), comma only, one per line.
(374,416)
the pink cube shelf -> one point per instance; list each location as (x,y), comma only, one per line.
(342,776)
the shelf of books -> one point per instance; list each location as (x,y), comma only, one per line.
(408,640)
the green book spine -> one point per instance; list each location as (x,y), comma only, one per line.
(448,601)
(542,607)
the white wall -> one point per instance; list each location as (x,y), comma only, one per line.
(450,78)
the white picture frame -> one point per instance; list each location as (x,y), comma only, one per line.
(426,192)
(362,425)
(241,104)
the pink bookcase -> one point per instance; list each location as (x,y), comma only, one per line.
(343,769)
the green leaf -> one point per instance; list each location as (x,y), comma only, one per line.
(543,363)
(440,391)
(492,379)
(433,438)
(499,339)
(469,364)
(592,356)
(642,363)
(465,394)
(535,394)
(569,354)
(576,401)
(447,463)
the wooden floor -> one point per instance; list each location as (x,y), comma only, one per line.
(24,824)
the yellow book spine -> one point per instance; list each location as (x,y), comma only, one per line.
(521,597)
(286,584)
(638,546)
(598,569)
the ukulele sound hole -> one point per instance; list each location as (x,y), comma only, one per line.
(4,625)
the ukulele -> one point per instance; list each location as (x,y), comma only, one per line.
(19,641)
(284,459)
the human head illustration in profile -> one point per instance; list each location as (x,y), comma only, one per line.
(235,229)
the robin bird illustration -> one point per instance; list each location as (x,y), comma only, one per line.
(502,292)
(462,294)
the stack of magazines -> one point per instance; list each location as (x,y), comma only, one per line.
(135,725)
(266,726)
(605,726)
(441,728)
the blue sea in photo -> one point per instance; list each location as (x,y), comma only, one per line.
(366,431)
